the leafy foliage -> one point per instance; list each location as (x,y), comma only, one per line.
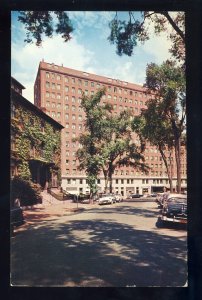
(107,142)
(28,135)
(126,34)
(163,122)
(39,23)
(27,192)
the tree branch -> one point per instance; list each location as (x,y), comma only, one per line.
(173,24)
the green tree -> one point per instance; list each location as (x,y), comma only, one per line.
(126,34)
(107,141)
(167,85)
(39,23)
(153,126)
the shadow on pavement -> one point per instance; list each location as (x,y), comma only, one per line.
(97,253)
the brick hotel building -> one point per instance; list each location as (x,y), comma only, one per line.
(58,92)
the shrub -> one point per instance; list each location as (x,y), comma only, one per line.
(26,191)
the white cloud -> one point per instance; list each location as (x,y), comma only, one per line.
(26,59)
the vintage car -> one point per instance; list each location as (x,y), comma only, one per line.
(106,199)
(174,210)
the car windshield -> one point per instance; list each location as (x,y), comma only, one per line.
(177,199)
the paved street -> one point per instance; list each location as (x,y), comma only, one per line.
(113,245)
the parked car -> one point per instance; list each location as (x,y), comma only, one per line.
(16,217)
(135,196)
(118,197)
(168,196)
(106,199)
(174,210)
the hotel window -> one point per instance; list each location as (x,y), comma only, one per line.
(53,86)
(114,106)
(66,107)
(73,135)
(86,92)
(66,98)
(66,88)
(73,80)
(67,125)
(79,82)
(58,96)
(47,94)
(125,100)
(80,108)
(66,79)
(109,96)
(92,84)
(66,116)
(53,95)
(47,75)
(125,92)
(115,98)
(53,114)
(109,89)
(58,86)
(141,102)
(117,181)
(52,75)
(98,85)
(79,91)
(73,153)
(92,93)
(58,77)
(80,118)
(122,173)
(120,107)
(47,84)
(120,90)
(67,144)
(122,181)
(58,115)
(73,126)
(73,117)
(120,99)
(47,104)
(132,180)
(73,90)
(53,105)
(80,127)
(115,89)
(86,83)
(73,99)
(73,145)
(74,162)
(73,107)
(67,172)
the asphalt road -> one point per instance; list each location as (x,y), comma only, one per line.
(113,245)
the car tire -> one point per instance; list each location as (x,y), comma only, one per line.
(159,223)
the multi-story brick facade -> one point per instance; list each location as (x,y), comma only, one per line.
(58,92)
(34,156)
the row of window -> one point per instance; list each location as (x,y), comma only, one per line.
(86,92)
(122,181)
(92,84)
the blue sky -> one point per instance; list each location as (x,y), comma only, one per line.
(88,50)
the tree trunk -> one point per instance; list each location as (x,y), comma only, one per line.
(169,171)
(106,179)
(110,183)
(178,164)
